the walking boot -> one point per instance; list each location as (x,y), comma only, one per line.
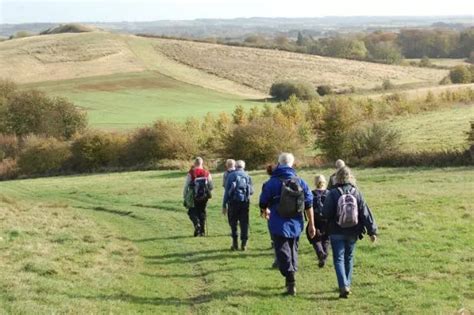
(243,246)
(197,230)
(344,293)
(235,245)
(290,284)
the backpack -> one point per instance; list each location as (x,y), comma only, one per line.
(240,190)
(347,214)
(318,202)
(201,189)
(291,198)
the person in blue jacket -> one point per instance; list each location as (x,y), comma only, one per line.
(343,239)
(286,231)
(236,204)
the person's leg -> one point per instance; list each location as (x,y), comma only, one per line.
(338,248)
(233,218)
(349,259)
(193,216)
(201,207)
(283,254)
(275,259)
(244,225)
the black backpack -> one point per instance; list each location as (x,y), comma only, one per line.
(240,190)
(201,189)
(291,198)
(318,202)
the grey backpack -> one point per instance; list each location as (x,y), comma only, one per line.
(291,198)
(347,214)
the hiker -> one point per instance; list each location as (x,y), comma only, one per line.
(197,191)
(236,203)
(283,200)
(320,242)
(269,171)
(229,168)
(348,219)
(332,179)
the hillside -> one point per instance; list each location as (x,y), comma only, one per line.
(122,243)
(235,70)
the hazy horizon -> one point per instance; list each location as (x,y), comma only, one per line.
(38,11)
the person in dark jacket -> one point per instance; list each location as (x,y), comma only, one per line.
(332,179)
(343,239)
(229,168)
(320,242)
(236,204)
(286,231)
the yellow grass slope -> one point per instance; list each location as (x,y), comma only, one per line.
(241,71)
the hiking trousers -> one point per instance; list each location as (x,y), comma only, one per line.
(238,212)
(287,254)
(197,214)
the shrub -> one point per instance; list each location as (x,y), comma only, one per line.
(8,146)
(423,158)
(33,112)
(460,74)
(425,62)
(446,80)
(324,90)
(260,142)
(373,140)
(387,85)
(8,169)
(43,156)
(335,135)
(165,140)
(95,150)
(283,90)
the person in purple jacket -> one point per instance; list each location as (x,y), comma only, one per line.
(286,230)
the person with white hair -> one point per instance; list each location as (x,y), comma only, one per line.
(229,168)
(349,218)
(284,198)
(197,191)
(236,204)
(332,179)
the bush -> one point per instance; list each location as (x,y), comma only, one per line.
(8,169)
(8,146)
(165,140)
(446,80)
(41,156)
(373,140)
(260,142)
(283,90)
(95,150)
(460,74)
(324,90)
(423,158)
(34,112)
(387,85)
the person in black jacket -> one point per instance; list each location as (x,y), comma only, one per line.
(320,242)
(349,218)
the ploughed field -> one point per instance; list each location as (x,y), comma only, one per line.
(122,243)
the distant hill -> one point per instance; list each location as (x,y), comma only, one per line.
(236,70)
(69,28)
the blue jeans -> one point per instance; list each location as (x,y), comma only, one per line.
(343,254)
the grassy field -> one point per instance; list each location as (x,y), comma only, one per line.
(131,100)
(121,243)
(439,130)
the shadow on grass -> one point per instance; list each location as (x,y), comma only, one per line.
(189,275)
(205,255)
(113,211)
(176,208)
(175,237)
(195,300)
(170,175)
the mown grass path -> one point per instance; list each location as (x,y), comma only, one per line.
(422,264)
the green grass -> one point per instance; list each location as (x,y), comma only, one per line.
(121,243)
(439,130)
(130,100)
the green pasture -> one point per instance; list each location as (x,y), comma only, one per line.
(444,129)
(125,101)
(122,243)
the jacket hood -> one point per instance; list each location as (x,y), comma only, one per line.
(283,171)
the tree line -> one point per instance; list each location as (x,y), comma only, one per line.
(34,144)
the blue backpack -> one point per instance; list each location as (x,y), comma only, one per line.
(240,190)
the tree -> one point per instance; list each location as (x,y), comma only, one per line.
(460,74)
(238,116)
(283,90)
(300,41)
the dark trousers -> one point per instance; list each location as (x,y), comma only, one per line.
(239,213)
(287,254)
(197,214)
(320,243)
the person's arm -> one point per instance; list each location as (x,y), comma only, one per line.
(186,184)
(329,207)
(264,201)
(368,219)
(225,199)
(308,206)
(251,186)
(210,182)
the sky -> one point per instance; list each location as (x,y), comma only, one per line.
(26,11)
